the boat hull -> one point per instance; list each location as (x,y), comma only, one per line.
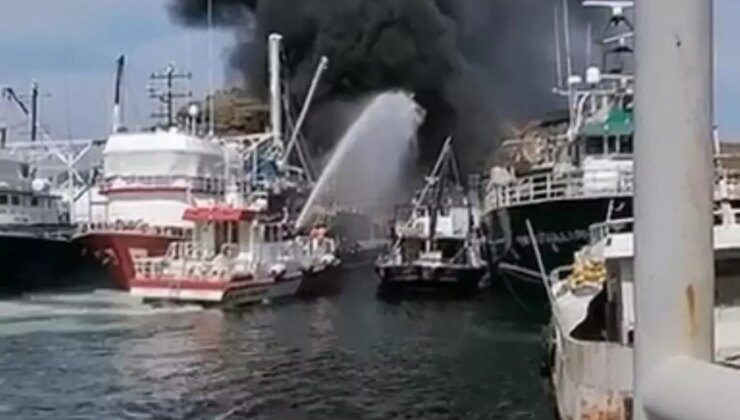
(560,229)
(116,250)
(214,292)
(360,255)
(321,281)
(30,262)
(431,279)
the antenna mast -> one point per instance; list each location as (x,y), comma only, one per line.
(34,109)
(566,27)
(117,97)
(211,93)
(166,94)
(276,116)
(558,52)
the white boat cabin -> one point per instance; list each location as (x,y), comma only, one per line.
(450,242)
(153,177)
(23,201)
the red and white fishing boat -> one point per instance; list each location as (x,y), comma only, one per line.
(150,178)
(239,254)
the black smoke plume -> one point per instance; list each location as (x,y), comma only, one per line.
(476,66)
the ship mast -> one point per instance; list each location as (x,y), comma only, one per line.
(117,97)
(162,88)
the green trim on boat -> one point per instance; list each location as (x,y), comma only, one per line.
(619,122)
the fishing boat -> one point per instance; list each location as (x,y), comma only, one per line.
(241,252)
(436,243)
(589,365)
(321,265)
(149,178)
(34,228)
(569,170)
(360,238)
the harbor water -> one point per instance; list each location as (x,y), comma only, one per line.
(102,354)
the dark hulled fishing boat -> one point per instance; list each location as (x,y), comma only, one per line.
(568,171)
(35,248)
(436,246)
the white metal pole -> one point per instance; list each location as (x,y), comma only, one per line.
(674,272)
(558,53)
(323,63)
(211,91)
(276,115)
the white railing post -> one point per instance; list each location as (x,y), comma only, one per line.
(674,272)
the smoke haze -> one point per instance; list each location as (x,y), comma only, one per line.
(476,66)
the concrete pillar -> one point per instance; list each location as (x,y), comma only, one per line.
(674,272)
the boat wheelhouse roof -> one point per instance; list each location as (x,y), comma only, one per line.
(160,140)
(219,214)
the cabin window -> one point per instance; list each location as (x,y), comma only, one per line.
(3,200)
(234,227)
(612,144)
(34,201)
(594,146)
(15,200)
(575,151)
(625,144)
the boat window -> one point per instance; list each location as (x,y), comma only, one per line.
(612,144)
(34,201)
(234,227)
(625,144)
(15,200)
(3,200)
(595,145)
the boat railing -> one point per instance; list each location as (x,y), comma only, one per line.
(537,188)
(548,186)
(185,259)
(176,232)
(559,274)
(599,231)
(148,268)
(208,185)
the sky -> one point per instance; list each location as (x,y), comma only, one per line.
(70,46)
